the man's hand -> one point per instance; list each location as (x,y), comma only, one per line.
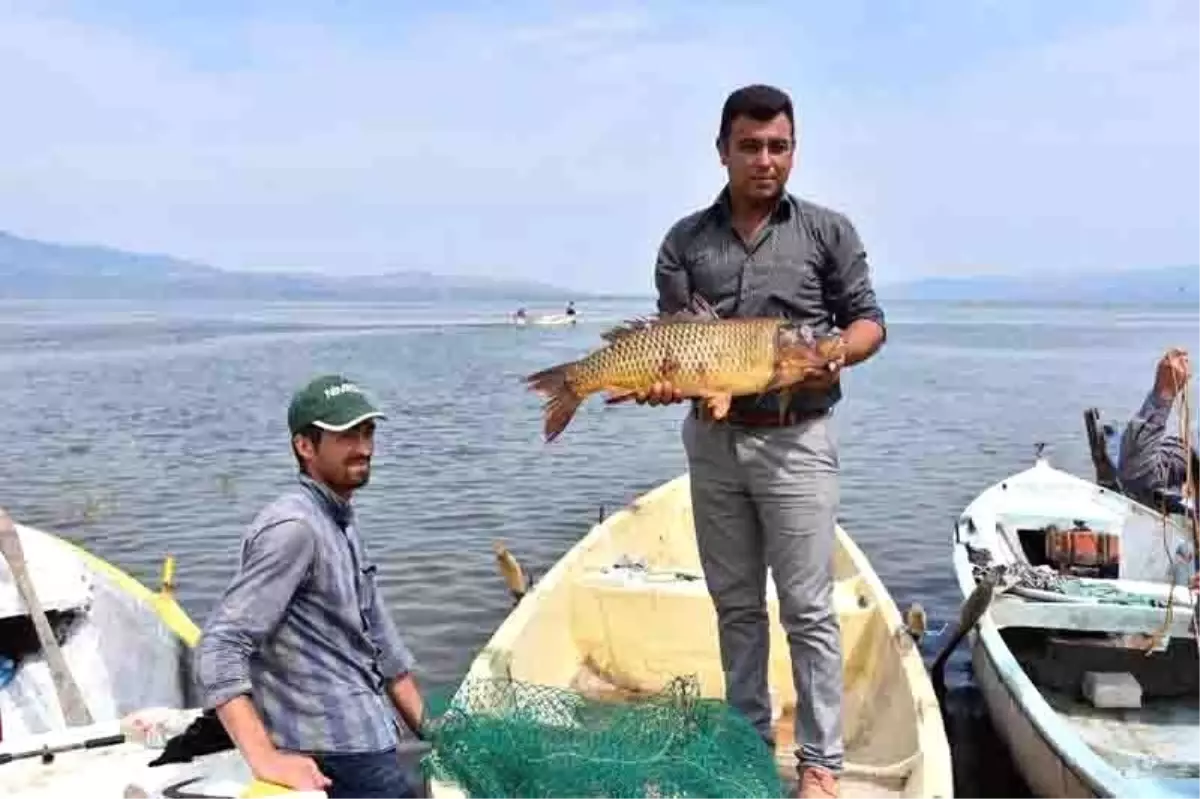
(661,393)
(290,770)
(822,378)
(1172,374)
(245,727)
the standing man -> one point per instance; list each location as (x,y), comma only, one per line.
(300,658)
(764,484)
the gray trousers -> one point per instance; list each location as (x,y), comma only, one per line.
(768,497)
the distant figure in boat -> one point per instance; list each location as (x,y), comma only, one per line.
(520,316)
(1152,465)
(571,311)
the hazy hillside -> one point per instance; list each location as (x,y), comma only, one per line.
(32,269)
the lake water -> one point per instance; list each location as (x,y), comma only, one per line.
(138,431)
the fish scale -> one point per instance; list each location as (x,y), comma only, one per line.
(699,354)
(692,355)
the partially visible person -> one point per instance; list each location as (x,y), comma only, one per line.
(1150,463)
(300,659)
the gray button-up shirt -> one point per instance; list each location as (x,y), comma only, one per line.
(807,265)
(302,629)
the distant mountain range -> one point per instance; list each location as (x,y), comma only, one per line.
(31,269)
(1171,285)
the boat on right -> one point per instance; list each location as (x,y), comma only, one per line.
(1085,648)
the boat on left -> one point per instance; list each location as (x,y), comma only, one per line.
(84,647)
(95,672)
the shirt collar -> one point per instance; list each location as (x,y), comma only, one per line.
(339,509)
(781,212)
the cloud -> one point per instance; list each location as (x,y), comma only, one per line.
(541,141)
(1081,153)
(458,144)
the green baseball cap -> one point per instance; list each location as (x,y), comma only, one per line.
(330,402)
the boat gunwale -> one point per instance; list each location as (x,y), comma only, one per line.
(163,605)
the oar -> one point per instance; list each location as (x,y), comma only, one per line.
(70,698)
(49,751)
(969,614)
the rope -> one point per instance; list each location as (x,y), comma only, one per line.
(1184,415)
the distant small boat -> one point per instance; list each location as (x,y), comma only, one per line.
(553,319)
(125,649)
(545,320)
(1085,657)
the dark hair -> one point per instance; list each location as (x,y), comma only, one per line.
(760,102)
(313,434)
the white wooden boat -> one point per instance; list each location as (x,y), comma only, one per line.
(552,320)
(124,648)
(596,626)
(1117,606)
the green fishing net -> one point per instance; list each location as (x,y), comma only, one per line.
(508,738)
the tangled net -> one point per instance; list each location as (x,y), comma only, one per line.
(509,738)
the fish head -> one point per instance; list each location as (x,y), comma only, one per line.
(799,353)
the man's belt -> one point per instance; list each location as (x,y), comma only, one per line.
(766,418)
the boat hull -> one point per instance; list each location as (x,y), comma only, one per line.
(1039,763)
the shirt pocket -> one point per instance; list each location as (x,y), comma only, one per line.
(366,586)
(714,272)
(795,283)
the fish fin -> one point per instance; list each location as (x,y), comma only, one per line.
(697,310)
(718,404)
(785,400)
(561,399)
(626,328)
(615,397)
(700,308)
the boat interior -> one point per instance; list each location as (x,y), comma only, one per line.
(627,611)
(121,656)
(1126,621)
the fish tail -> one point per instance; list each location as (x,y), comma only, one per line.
(561,399)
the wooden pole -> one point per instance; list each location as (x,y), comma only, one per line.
(70,698)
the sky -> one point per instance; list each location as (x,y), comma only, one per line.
(537,139)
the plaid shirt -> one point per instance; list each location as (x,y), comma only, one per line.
(302,630)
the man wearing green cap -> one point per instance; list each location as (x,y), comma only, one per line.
(300,659)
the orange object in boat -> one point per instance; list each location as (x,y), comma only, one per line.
(1081,546)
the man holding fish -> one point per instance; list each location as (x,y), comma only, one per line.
(765,478)
(763,299)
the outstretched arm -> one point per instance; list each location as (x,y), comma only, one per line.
(1143,463)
